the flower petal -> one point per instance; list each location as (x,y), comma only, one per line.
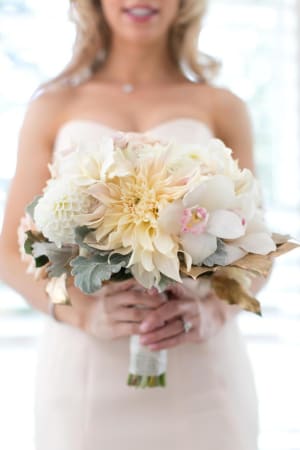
(257,224)
(146,261)
(187,259)
(215,193)
(142,236)
(146,279)
(225,224)
(168,266)
(163,242)
(259,243)
(199,247)
(170,216)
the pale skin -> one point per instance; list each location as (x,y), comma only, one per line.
(138,55)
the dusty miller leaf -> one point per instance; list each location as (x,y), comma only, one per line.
(80,234)
(218,258)
(31,206)
(59,258)
(117,258)
(164,282)
(89,273)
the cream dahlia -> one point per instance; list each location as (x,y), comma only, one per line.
(129,222)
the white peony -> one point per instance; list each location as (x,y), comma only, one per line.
(57,213)
(87,163)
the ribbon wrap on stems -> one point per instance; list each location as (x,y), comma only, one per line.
(146,368)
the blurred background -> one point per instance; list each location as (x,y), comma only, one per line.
(258,42)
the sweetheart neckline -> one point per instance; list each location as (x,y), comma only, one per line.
(69,122)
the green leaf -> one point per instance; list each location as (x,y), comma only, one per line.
(59,258)
(31,206)
(89,273)
(123,275)
(41,261)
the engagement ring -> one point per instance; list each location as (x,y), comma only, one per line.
(187,325)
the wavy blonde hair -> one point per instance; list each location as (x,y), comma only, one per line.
(93,39)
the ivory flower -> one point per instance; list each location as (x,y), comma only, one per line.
(87,163)
(206,213)
(133,202)
(57,213)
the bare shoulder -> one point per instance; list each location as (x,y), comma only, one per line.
(225,101)
(45,112)
(232,124)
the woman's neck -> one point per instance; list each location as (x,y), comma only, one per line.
(139,64)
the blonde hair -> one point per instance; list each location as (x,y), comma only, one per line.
(93,41)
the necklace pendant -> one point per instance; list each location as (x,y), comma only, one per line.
(127,88)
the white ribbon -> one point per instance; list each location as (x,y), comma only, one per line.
(145,362)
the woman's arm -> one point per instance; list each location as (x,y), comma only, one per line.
(107,314)
(36,141)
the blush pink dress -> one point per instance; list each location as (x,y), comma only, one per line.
(83,403)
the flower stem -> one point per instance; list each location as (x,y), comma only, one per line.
(145,381)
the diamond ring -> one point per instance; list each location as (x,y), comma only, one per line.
(187,325)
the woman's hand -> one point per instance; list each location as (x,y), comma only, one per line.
(205,315)
(117,310)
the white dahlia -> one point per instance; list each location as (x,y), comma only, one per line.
(57,212)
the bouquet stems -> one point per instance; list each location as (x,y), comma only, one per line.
(147,368)
(144,381)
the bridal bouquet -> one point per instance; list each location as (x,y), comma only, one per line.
(156,211)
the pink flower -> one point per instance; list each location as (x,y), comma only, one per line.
(194,220)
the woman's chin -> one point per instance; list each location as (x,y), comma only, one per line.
(141,37)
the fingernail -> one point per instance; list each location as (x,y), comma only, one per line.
(144,327)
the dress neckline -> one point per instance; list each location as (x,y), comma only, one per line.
(96,123)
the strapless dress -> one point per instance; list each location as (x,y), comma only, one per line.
(82,401)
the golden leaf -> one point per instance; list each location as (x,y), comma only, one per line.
(259,264)
(232,283)
(284,248)
(196,271)
(231,291)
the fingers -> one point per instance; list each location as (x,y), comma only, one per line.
(124,329)
(170,330)
(175,341)
(180,291)
(134,298)
(160,338)
(125,314)
(167,312)
(116,287)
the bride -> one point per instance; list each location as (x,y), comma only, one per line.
(131,70)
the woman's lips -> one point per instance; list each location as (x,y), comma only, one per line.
(141,13)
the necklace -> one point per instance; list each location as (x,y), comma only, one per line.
(127,88)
